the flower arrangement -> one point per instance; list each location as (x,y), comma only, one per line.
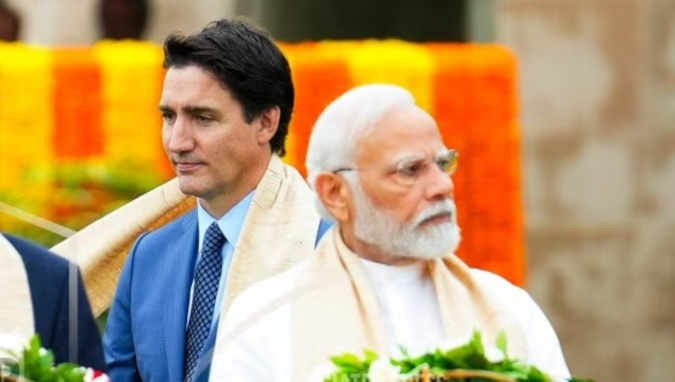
(470,361)
(99,103)
(24,360)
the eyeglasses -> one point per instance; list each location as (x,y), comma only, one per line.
(411,170)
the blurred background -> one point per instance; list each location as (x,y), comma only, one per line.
(596,88)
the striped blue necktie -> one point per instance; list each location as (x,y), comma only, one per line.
(205,290)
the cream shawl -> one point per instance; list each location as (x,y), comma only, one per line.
(279,230)
(101,248)
(16,305)
(337,309)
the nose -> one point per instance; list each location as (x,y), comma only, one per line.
(439,184)
(178,137)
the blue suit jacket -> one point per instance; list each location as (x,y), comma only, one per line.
(145,334)
(48,279)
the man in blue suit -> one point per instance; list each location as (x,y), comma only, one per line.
(226,105)
(49,282)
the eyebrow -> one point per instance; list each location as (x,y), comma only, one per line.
(417,156)
(408,157)
(192,110)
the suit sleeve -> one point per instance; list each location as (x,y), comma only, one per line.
(87,351)
(118,343)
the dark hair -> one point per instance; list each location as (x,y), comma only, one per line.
(246,62)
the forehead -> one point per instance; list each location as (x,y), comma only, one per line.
(399,133)
(191,85)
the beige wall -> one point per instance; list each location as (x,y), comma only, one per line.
(598,110)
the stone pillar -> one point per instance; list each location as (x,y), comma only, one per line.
(597,82)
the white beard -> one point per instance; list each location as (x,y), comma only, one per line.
(376,227)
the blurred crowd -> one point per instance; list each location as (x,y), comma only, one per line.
(117,20)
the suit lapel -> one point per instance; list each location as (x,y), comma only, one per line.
(180,268)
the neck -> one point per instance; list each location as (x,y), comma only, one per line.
(219,205)
(372,252)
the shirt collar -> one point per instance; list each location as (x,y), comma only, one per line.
(230,224)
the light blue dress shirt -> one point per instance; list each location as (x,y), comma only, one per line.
(230,224)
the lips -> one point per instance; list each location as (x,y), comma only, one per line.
(187,166)
(445,217)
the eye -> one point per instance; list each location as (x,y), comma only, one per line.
(444,164)
(203,118)
(447,163)
(168,117)
(410,169)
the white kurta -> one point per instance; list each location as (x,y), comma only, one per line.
(262,350)
(408,304)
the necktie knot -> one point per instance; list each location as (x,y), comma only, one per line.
(213,239)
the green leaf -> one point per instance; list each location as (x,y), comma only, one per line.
(501,343)
(477,342)
(347,360)
(404,351)
(536,375)
(371,356)
(350,364)
(37,365)
(515,374)
(469,356)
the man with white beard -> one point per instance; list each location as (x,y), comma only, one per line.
(385,275)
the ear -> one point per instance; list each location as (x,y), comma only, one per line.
(333,192)
(268,125)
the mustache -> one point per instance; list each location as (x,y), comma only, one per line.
(444,207)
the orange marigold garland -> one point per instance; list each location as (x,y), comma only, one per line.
(77,105)
(101,102)
(408,65)
(318,78)
(26,118)
(451,113)
(131,92)
(496,205)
